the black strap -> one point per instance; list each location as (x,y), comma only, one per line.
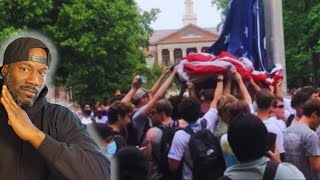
(290,119)
(224,178)
(270,171)
(188,130)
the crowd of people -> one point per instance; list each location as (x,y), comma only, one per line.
(224,128)
(233,130)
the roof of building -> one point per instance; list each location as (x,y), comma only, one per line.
(160,35)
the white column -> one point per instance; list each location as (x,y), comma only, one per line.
(171,56)
(198,49)
(160,57)
(184,52)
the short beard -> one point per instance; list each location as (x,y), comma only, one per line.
(15,93)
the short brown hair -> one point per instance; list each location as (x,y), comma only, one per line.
(264,99)
(118,108)
(311,106)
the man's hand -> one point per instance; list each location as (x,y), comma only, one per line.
(165,70)
(237,77)
(20,121)
(136,83)
(274,156)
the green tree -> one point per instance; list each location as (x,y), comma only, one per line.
(301,20)
(302,31)
(99,42)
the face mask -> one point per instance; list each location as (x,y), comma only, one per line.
(99,115)
(87,112)
(111,149)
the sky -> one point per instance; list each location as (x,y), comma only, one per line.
(172,12)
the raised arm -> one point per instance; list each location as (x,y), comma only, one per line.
(217,92)
(136,84)
(160,93)
(156,86)
(243,89)
(278,90)
(227,88)
(255,86)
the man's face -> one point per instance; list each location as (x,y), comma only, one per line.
(26,79)
(279,110)
(155,116)
(145,99)
(87,110)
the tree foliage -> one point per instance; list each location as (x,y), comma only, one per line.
(99,42)
(301,20)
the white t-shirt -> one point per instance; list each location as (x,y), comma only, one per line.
(103,120)
(277,127)
(180,148)
(87,120)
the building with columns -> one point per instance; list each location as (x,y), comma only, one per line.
(166,47)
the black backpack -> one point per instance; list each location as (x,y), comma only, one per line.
(165,144)
(206,154)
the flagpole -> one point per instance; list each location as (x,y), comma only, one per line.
(275,36)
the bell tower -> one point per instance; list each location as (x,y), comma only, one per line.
(189,17)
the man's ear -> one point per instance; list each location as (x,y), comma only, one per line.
(119,117)
(314,115)
(4,70)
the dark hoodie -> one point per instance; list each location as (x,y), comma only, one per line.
(67,151)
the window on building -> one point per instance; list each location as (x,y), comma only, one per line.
(190,34)
(177,55)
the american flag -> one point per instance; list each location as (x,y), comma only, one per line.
(243,33)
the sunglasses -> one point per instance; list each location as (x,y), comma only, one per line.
(279,106)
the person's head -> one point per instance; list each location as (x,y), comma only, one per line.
(119,113)
(223,107)
(162,110)
(237,108)
(116,98)
(264,99)
(86,111)
(25,65)
(301,96)
(311,109)
(131,164)
(206,96)
(141,97)
(247,136)
(99,112)
(189,109)
(278,108)
(103,132)
(175,101)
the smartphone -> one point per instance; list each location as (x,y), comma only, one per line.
(143,79)
(271,141)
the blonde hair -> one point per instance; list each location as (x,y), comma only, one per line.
(223,107)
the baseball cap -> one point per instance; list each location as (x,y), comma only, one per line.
(18,50)
(140,92)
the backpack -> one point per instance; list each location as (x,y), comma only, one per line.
(206,154)
(165,144)
(131,131)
